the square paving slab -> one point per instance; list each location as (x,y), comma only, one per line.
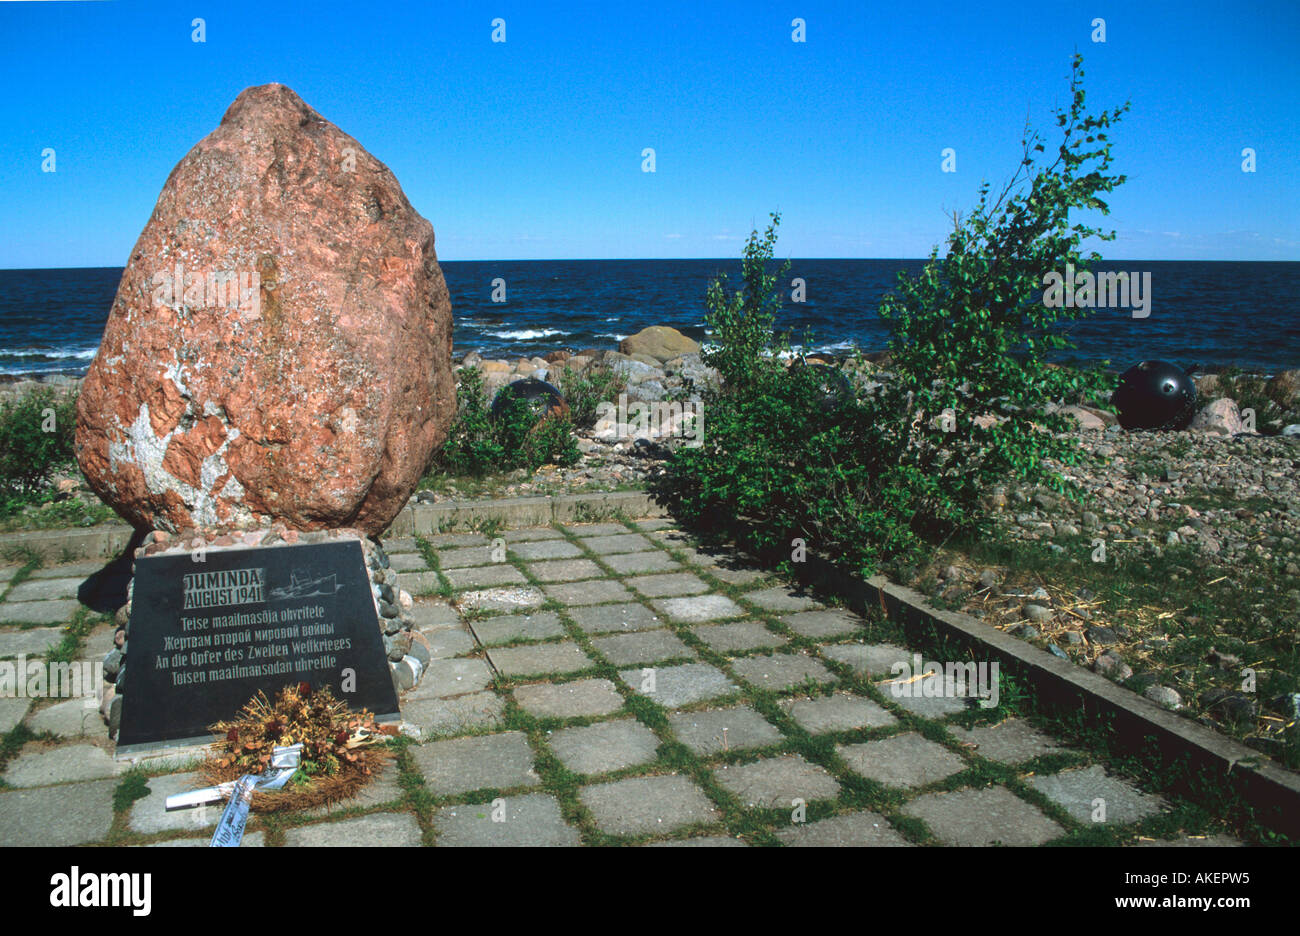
(714,731)
(699,609)
(419,583)
(839,712)
(73,814)
(546,549)
(564,570)
(456,715)
(408,562)
(646,805)
(781,670)
(739,636)
(615,618)
(654,523)
(502,599)
(782,599)
(823,625)
(527,534)
(642,647)
(577,699)
(983,817)
(482,576)
(596,591)
(925,706)
(777,782)
(595,529)
(448,642)
(737,576)
(906,760)
(673,686)
(60,765)
(70,719)
(55,611)
(31,642)
(150,815)
(565,657)
(868,659)
(632,563)
(853,830)
(604,746)
(433,614)
(444,678)
(499,761)
(467,556)
(68,570)
(381,830)
(44,589)
(530,821)
(706,558)
(668,586)
(617,543)
(12,711)
(540,625)
(1078,792)
(1014,741)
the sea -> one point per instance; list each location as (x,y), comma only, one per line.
(1205,315)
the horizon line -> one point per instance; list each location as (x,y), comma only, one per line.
(1104,260)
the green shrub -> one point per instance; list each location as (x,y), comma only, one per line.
(743,322)
(584,391)
(471,447)
(970,334)
(36,437)
(871,477)
(479,444)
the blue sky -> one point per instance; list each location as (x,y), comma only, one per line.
(531,148)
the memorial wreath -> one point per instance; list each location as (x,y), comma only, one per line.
(339,750)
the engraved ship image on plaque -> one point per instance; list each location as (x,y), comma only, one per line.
(302,585)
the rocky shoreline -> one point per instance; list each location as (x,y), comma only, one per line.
(660,364)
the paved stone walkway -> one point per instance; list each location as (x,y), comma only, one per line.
(606,683)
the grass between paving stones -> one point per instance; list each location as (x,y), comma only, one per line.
(755,824)
(133,785)
(30,561)
(557,779)
(83,622)
(758,825)
(12,743)
(75,633)
(1176,615)
(1212,799)
(430,556)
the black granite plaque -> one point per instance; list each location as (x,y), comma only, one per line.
(207,635)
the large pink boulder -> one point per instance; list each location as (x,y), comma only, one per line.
(280,344)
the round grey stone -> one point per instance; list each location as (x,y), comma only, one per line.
(1164,696)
